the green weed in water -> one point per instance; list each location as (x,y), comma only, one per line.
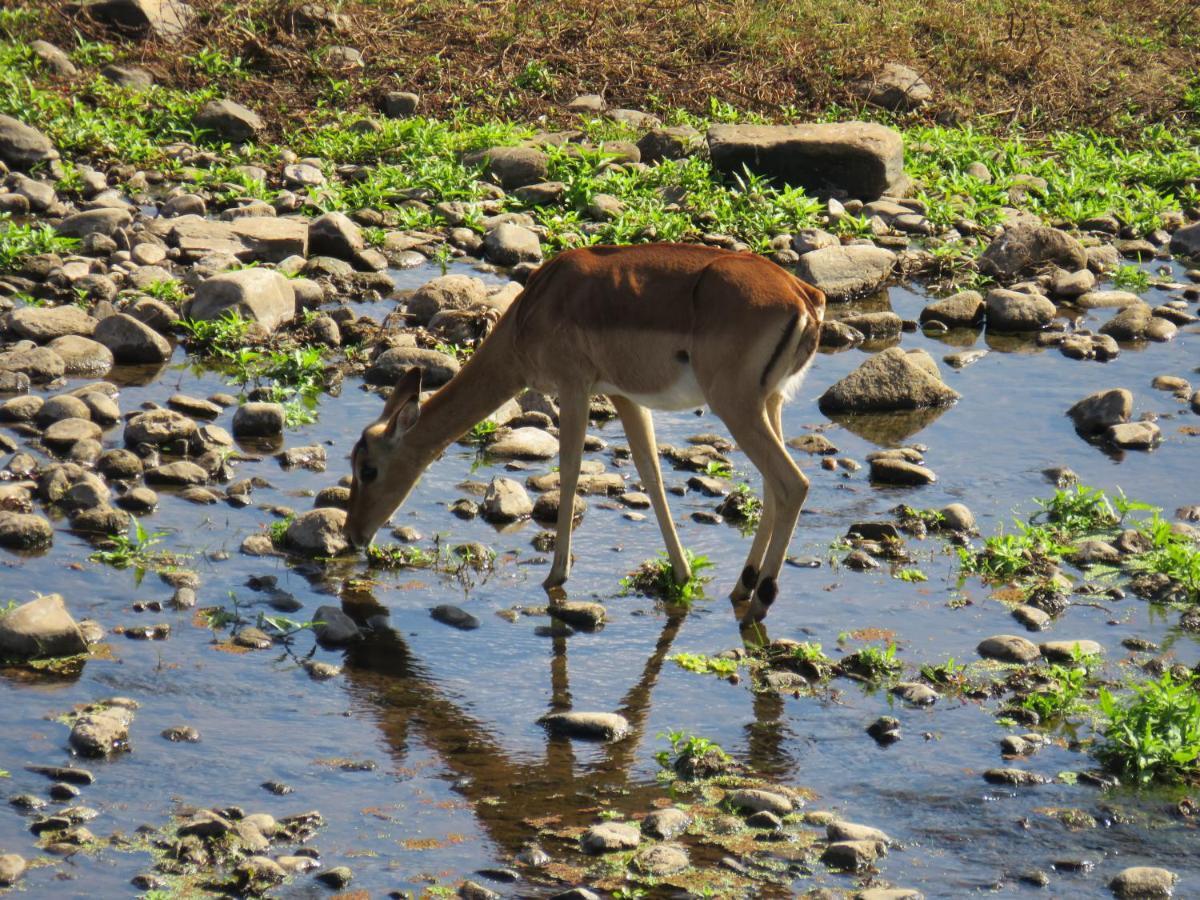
(655,578)
(1154,733)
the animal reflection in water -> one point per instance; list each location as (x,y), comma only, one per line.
(400,693)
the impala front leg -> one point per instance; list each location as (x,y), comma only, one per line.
(572,430)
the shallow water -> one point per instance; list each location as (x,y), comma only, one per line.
(449,717)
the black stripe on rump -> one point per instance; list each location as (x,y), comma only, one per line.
(779,348)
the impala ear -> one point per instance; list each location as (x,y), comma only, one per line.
(403,406)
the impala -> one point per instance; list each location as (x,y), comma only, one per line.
(658,326)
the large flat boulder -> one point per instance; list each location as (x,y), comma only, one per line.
(261,295)
(890,380)
(45,323)
(846,272)
(862,159)
(269,238)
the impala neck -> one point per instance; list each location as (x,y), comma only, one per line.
(490,377)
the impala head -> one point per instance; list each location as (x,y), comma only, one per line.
(383,466)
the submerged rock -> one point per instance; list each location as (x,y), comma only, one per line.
(1140,883)
(599,726)
(102,732)
(1096,412)
(608,837)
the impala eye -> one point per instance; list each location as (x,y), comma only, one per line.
(368,473)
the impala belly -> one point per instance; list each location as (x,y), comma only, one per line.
(684,393)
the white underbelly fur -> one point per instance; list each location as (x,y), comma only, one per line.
(685,393)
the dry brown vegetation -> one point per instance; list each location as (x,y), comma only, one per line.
(1043,64)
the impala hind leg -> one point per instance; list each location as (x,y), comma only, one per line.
(748,580)
(639,430)
(572,430)
(755,433)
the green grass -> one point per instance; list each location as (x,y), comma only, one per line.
(873,663)
(684,747)
(134,549)
(913,576)
(171,292)
(1029,551)
(1131,278)
(278,530)
(1154,733)
(18,241)
(705,665)
(398,556)
(654,578)
(221,336)
(1063,691)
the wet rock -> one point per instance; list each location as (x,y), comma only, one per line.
(509,244)
(101,733)
(1186,241)
(1014,777)
(1009,648)
(450,292)
(334,628)
(1013,311)
(1024,248)
(23,146)
(886,730)
(1072,284)
(317,532)
(755,800)
(525,443)
(1091,552)
(436,368)
(258,872)
(609,837)
(662,860)
(258,420)
(916,693)
(333,234)
(470,890)
(12,867)
(1138,322)
(846,272)
(39,365)
(160,427)
(1031,617)
(1138,882)
(1096,412)
(850,831)
(130,341)
(337,877)
(454,616)
(69,774)
(505,501)
(596,726)
(958,518)
(81,355)
(252,638)
(962,310)
(852,856)
(40,628)
(1134,435)
(65,432)
(106,221)
(890,470)
(890,380)
(1106,300)
(1064,651)
(665,824)
(261,295)
(863,159)
(889,894)
(578,614)
(44,323)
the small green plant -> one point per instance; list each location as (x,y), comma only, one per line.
(133,549)
(744,507)
(912,575)
(705,665)
(873,663)
(482,433)
(1078,511)
(19,241)
(168,291)
(1153,734)
(536,76)
(810,652)
(1062,692)
(685,746)
(1031,550)
(1171,554)
(278,530)
(718,469)
(948,673)
(1131,278)
(655,578)
(398,556)
(215,62)
(221,336)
